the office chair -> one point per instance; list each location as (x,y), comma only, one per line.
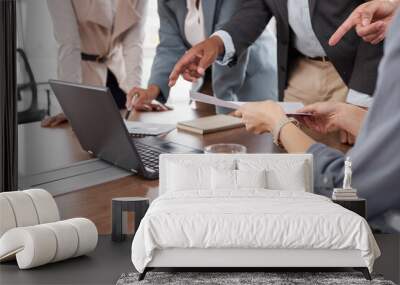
(33,113)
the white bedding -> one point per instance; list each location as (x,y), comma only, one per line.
(255,218)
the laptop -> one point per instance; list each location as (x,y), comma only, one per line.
(101,131)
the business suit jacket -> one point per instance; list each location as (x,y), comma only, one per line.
(93,29)
(355,60)
(376,165)
(254,77)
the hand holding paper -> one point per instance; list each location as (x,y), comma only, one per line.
(290,108)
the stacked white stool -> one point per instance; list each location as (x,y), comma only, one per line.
(31,231)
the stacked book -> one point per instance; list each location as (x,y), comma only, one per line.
(344,194)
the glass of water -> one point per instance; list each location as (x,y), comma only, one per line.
(225,148)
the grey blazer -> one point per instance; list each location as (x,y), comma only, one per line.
(375,156)
(254,78)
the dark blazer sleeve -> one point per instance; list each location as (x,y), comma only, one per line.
(248,24)
(169,50)
(365,72)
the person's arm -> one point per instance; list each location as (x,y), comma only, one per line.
(133,49)
(169,50)
(333,116)
(360,99)
(247,24)
(371,21)
(242,30)
(66,33)
(261,117)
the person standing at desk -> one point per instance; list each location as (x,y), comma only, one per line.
(309,69)
(100,43)
(185,23)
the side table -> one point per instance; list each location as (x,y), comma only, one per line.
(358,206)
(120,207)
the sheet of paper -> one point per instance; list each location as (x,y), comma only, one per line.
(148,128)
(290,108)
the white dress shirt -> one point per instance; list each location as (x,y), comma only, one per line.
(305,41)
(194,23)
(195,31)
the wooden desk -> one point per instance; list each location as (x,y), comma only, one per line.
(45,149)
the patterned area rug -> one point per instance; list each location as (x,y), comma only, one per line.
(269,278)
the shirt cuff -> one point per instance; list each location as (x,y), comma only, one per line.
(229,47)
(359,99)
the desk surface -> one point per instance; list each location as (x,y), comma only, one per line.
(46,149)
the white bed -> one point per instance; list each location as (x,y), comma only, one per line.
(200,221)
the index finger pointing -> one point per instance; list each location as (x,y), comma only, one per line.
(347,25)
(180,66)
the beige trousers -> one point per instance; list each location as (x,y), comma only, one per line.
(314,81)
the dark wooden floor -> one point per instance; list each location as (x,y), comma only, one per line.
(102,266)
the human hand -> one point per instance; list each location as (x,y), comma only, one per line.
(333,116)
(194,63)
(142,99)
(54,121)
(260,117)
(370,19)
(347,138)
(325,116)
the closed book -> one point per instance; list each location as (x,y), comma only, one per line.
(340,190)
(344,197)
(211,124)
(345,194)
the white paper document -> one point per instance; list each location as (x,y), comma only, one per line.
(290,108)
(149,129)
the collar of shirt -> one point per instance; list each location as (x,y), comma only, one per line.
(194,23)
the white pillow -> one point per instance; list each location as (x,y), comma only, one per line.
(231,180)
(186,175)
(282,174)
(251,178)
(223,179)
(290,181)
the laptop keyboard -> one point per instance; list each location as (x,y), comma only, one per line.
(150,156)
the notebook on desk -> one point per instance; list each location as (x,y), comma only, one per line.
(210,124)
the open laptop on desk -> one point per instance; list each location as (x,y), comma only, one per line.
(101,131)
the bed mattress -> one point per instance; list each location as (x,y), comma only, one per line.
(251,219)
